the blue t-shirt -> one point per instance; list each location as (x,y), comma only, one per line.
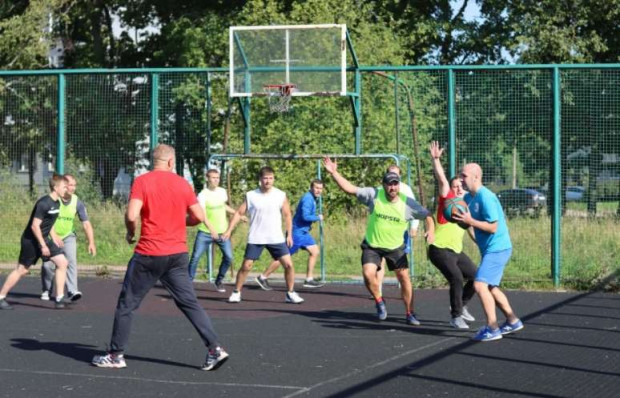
(305,214)
(485,206)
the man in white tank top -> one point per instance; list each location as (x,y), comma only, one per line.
(266,207)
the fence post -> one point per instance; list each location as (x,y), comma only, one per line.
(451,125)
(557,179)
(60,132)
(321,230)
(154,112)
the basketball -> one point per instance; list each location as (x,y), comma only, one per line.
(453,206)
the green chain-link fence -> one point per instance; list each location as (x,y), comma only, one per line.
(550,148)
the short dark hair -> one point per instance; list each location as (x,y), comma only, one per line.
(212,171)
(55,180)
(454,178)
(265,170)
(315,182)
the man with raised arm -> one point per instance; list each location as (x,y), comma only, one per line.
(390,213)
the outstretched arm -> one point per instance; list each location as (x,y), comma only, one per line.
(440,176)
(343,183)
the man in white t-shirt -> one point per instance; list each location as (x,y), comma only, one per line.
(213,199)
(266,207)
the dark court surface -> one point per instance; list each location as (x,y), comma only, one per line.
(330,345)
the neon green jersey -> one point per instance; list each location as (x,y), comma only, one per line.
(64,223)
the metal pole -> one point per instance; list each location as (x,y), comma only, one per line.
(60,129)
(321,230)
(557,180)
(396,113)
(154,112)
(451,125)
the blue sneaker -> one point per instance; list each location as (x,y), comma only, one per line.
(508,328)
(412,320)
(488,334)
(381,311)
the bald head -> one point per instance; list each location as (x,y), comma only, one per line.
(471,176)
(163,157)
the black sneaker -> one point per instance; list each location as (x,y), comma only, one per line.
(313,284)
(59,305)
(263,283)
(219,286)
(75,296)
(4,305)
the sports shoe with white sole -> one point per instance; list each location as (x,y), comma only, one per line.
(293,298)
(459,323)
(466,315)
(263,283)
(508,328)
(235,297)
(109,360)
(4,305)
(381,310)
(313,283)
(219,286)
(45,296)
(75,296)
(412,320)
(215,358)
(487,334)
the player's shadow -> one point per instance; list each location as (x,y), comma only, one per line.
(81,352)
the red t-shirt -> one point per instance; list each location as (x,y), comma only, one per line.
(165,199)
(442,200)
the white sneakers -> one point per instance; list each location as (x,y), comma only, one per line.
(291,298)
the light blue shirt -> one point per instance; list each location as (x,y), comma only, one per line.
(485,206)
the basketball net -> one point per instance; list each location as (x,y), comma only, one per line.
(279,96)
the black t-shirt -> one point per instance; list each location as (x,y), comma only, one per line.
(46,209)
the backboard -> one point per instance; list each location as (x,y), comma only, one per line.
(312,57)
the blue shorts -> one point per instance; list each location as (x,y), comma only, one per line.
(301,241)
(492,266)
(277,250)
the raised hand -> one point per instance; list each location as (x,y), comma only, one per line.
(330,166)
(435,150)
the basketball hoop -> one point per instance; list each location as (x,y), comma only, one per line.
(279,96)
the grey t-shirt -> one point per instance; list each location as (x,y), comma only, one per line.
(413,210)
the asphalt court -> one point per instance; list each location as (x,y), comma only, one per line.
(331,345)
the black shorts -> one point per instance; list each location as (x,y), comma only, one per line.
(394,258)
(30,251)
(277,250)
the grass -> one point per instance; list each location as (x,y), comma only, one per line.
(589,248)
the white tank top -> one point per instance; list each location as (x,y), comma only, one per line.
(265,211)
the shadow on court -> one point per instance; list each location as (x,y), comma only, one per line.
(329,346)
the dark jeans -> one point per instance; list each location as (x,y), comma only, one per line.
(142,273)
(203,243)
(457,268)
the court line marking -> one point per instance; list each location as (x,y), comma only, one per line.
(42,372)
(367,368)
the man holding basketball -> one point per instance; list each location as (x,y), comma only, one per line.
(446,253)
(487,218)
(390,213)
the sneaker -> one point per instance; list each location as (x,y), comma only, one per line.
(508,328)
(263,283)
(75,296)
(45,296)
(219,286)
(466,315)
(109,360)
(381,310)
(293,298)
(459,323)
(235,297)
(487,334)
(412,320)
(4,305)
(215,359)
(60,305)
(313,284)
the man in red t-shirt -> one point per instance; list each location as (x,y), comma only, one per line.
(162,201)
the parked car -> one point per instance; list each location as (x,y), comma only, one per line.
(575,193)
(522,201)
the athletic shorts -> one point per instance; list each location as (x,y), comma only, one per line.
(492,266)
(30,251)
(277,250)
(395,258)
(301,241)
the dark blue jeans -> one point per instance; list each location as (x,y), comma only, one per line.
(202,244)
